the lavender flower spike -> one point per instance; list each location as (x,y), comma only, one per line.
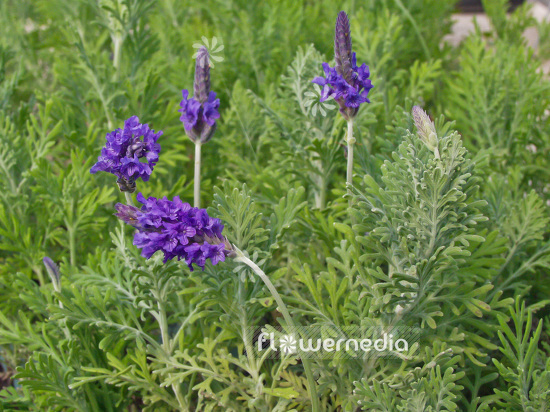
(177,229)
(125,151)
(199,113)
(346,82)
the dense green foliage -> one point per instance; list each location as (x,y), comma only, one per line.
(454,242)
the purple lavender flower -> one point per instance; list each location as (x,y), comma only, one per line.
(347,83)
(177,229)
(129,153)
(199,113)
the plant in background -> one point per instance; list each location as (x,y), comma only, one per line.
(296,147)
(524,366)
(348,84)
(199,114)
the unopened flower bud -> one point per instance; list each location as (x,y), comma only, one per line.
(128,214)
(426,129)
(399,310)
(53,272)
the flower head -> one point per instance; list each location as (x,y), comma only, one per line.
(129,153)
(177,229)
(347,83)
(199,113)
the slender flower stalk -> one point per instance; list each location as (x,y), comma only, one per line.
(241,257)
(129,199)
(350,140)
(55,276)
(166,346)
(197,186)
(199,113)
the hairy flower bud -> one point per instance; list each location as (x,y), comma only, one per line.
(426,129)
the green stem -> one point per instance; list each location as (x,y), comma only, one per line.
(286,315)
(350,141)
(409,16)
(129,199)
(163,324)
(323,195)
(38,271)
(197,197)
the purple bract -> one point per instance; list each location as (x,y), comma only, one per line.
(129,153)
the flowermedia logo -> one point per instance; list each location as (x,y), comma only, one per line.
(314,105)
(214,47)
(287,343)
(330,342)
